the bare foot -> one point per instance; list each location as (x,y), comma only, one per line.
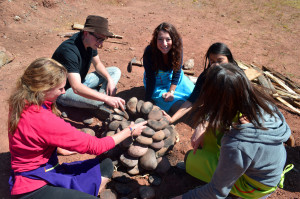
(62,151)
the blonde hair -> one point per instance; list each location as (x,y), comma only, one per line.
(40,76)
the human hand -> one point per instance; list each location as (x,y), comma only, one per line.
(116,102)
(169,97)
(137,128)
(198,137)
(111,89)
(169,118)
(244,120)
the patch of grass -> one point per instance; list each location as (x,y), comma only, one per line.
(292,3)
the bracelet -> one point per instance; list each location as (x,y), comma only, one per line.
(131,130)
(172,91)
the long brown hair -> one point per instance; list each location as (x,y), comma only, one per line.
(175,54)
(226,93)
(40,76)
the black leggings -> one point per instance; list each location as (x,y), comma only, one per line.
(50,192)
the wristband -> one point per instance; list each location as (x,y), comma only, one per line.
(131,130)
(172,92)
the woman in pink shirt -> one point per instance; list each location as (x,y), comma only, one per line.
(35,132)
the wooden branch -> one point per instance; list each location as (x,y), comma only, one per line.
(252,73)
(288,105)
(67,34)
(279,82)
(282,77)
(242,65)
(189,72)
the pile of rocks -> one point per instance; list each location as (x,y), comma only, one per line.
(145,152)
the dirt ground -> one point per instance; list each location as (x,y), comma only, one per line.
(258,32)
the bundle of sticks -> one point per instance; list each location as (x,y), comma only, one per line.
(279,86)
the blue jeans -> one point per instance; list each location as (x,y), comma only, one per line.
(92,80)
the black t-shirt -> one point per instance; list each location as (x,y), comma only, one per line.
(198,87)
(74,57)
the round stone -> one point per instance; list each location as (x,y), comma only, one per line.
(158,136)
(134,171)
(146,108)
(146,192)
(161,152)
(139,120)
(155,115)
(163,165)
(124,124)
(128,161)
(157,125)
(139,105)
(131,105)
(114,125)
(137,150)
(157,145)
(88,131)
(149,132)
(144,140)
(167,132)
(116,117)
(148,161)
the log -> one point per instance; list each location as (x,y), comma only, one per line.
(189,72)
(67,34)
(282,77)
(279,82)
(288,105)
(77,26)
(252,73)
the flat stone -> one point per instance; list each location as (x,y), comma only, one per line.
(88,131)
(148,161)
(144,140)
(149,132)
(161,152)
(128,161)
(113,117)
(157,145)
(121,113)
(108,194)
(88,121)
(137,150)
(146,108)
(167,132)
(131,105)
(146,192)
(189,64)
(134,170)
(124,124)
(155,115)
(121,177)
(157,125)
(158,136)
(139,106)
(139,120)
(114,125)
(155,107)
(163,165)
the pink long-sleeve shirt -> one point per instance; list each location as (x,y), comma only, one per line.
(38,133)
